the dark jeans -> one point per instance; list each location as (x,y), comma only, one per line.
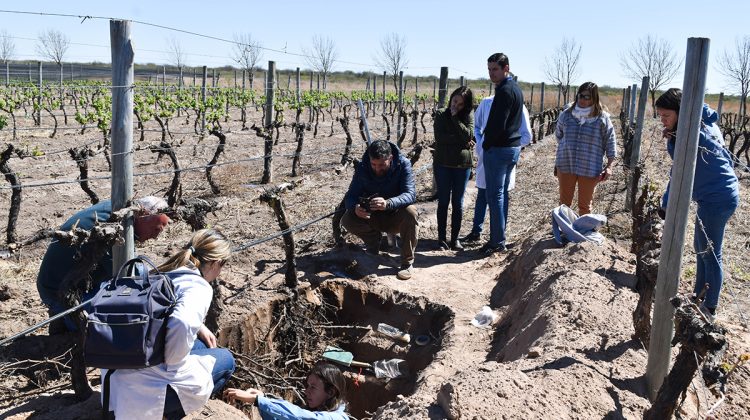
(451,185)
(711,219)
(222,371)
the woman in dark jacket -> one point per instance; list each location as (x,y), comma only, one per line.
(454,127)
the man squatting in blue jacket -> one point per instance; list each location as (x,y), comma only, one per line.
(386,176)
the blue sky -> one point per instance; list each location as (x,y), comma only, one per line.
(459,35)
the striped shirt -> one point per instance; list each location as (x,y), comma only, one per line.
(582,147)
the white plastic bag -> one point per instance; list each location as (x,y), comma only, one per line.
(485,318)
(390,368)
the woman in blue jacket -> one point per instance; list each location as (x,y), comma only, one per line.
(325,388)
(715,190)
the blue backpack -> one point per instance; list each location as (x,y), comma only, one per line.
(126,326)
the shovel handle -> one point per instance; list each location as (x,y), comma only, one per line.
(360,364)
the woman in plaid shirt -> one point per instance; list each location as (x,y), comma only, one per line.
(585,136)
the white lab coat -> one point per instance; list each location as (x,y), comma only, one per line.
(480,121)
(140,393)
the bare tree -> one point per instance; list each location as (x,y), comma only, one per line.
(247,52)
(735,66)
(177,55)
(652,57)
(7,46)
(562,67)
(321,56)
(52,45)
(392,56)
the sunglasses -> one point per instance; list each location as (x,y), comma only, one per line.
(585,96)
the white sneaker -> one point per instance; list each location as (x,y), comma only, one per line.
(405,272)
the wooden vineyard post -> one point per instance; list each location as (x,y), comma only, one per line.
(203,101)
(461,81)
(62,90)
(400,104)
(374,93)
(299,96)
(559,95)
(213,78)
(443,88)
(38,121)
(531,99)
(384,76)
(7,74)
(631,109)
(122,133)
(635,153)
(673,240)
(268,125)
(164,79)
(626,122)
(721,105)
(363,118)
(541,100)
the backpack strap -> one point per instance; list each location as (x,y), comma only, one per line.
(105,393)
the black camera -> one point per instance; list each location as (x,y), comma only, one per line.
(364,202)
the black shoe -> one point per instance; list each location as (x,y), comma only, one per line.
(488,249)
(456,245)
(471,237)
(443,245)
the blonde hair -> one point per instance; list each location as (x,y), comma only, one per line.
(206,245)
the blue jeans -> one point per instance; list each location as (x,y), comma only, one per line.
(222,371)
(498,164)
(711,218)
(480,211)
(450,181)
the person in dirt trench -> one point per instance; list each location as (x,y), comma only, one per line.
(58,261)
(380,199)
(325,396)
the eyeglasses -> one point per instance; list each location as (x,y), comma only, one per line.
(222,262)
(585,96)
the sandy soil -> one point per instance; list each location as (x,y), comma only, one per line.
(562,346)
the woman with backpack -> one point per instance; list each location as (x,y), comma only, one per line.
(585,136)
(325,389)
(194,368)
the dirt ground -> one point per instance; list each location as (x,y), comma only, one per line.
(561,347)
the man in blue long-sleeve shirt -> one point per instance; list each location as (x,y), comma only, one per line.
(385,177)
